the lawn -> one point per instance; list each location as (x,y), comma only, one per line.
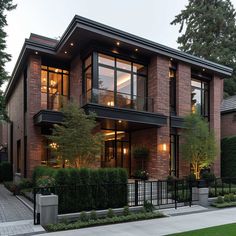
(229,230)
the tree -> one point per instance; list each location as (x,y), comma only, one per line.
(5,5)
(199,145)
(209,31)
(74,141)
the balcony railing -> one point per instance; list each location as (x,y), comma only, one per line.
(52,101)
(118,100)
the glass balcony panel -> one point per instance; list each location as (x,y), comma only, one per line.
(123,100)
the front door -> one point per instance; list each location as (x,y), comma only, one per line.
(116,151)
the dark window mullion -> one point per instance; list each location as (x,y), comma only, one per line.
(115,84)
(47,88)
(132,87)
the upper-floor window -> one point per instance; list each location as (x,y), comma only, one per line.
(113,81)
(200,97)
(54,87)
(172,91)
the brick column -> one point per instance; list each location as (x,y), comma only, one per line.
(158,88)
(34,137)
(216,96)
(183,106)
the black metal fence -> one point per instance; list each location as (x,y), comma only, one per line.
(83,197)
(221,186)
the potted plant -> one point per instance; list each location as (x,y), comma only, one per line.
(141,174)
(45,182)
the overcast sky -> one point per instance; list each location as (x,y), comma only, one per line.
(146,18)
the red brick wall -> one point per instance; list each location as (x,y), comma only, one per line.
(34,136)
(228,124)
(16,115)
(3,133)
(215,120)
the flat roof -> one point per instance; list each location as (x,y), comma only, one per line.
(54,47)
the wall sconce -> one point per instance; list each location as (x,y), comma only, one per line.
(110,104)
(124,150)
(163,147)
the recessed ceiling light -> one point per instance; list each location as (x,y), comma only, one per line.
(118,43)
(203,69)
(171,59)
(36,53)
(65,52)
(71,44)
(136,49)
(119,121)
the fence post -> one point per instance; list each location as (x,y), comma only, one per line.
(175,194)
(190,195)
(136,192)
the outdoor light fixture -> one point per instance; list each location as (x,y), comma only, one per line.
(71,44)
(110,104)
(136,49)
(36,53)
(124,150)
(65,52)
(119,121)
(118,43)
(164,147)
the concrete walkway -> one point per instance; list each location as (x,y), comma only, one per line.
(163,226)
(15,217)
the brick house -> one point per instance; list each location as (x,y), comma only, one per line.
(140,91)
(228,117)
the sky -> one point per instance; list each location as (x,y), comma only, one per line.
(146,18)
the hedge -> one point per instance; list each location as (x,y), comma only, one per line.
(87,189)
(5,172)
(228,157)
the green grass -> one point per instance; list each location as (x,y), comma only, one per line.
(227,230)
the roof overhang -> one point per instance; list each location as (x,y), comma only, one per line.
(82,31)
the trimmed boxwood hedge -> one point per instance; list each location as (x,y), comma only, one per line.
(5,172)
(87,189)
(228,157)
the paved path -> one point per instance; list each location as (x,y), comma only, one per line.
(11,209)
(163,226)
(15,217)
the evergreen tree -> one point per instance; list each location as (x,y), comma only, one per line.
(199,145)
(74,141)
(5,5)
(209,31)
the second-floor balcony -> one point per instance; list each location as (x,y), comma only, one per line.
(118,100)
(53,101)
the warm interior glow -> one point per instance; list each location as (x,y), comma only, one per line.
(110,104)
(113,133)
(124,150)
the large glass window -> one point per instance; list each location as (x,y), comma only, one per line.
(174,155)
(54,87)
(200,97)
(120,83)
(172,91)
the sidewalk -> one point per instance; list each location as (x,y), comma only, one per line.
(162,226)
(15,217)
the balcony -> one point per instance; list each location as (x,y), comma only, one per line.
(118,100)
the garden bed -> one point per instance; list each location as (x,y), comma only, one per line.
(104,221)
(224,204)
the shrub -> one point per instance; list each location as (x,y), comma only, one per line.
(126,211)
(220,199)
(191,178)
(148,206)
(83,216)
(62,177)
(40,171)
(228,160)
(93,215)
(110,213)
(231,197)
(208,177)
(226,198)
(25,183)
(45,181)
(6,172)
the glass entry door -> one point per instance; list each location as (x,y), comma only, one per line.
(116,151)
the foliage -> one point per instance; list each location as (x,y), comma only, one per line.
(220,199)
(110,213)
(209,31)
(83,216)
(93,215)
(148,206)
(232,197)
(85,189)
(226,198)
(208,177)
(6,172)
(45,181)
(126,211)
(199,145)
(141,174)
(74,139)
(25,183)
(228,160)
(5,5)
(104,221)
(191,178)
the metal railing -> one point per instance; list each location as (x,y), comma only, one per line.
(119,100)
(76,198)
(53,101)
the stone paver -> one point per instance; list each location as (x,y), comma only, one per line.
(15,217)
(156,227)
(11,209)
